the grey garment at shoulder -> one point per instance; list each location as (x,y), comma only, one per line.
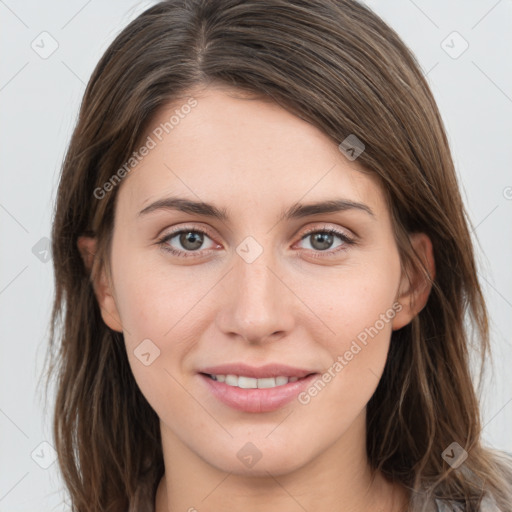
(503,460)
(499,502)
(488,504)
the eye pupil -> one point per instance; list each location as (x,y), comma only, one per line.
(325,241)
(191,240)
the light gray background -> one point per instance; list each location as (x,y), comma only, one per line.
(40,98)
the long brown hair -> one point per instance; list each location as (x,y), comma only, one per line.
(337,65)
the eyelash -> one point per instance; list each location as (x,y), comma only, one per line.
(347,241)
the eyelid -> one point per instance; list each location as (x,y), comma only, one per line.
(207,231)
(199,228)
(326,227)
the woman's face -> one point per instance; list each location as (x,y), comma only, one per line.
(263,285)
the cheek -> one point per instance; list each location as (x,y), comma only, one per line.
(358,308)
(357,301)
(156,300)
(161,311)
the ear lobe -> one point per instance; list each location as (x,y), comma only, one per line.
(103,289)
(415,289)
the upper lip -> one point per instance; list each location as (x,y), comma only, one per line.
(259,372)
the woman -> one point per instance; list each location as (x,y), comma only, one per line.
(263,270)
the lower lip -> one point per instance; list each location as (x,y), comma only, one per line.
(257,400)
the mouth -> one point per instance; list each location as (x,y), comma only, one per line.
(256,390)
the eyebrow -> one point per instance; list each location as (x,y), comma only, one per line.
(296,211)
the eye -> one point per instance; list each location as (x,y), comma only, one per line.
(188,240)
(322,240)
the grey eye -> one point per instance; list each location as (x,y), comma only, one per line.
(191,240)
(321,241)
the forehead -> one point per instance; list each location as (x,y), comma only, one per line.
(241,152)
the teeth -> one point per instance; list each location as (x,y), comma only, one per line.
(269,382)
(231,380)
(252,383)
(247,382)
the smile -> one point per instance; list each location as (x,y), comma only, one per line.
(255,395)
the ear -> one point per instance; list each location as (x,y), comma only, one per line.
(102,287)
(415,289)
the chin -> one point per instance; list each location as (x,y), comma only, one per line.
(259,458)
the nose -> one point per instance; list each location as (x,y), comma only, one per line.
(257,304)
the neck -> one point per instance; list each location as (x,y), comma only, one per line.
(340,478)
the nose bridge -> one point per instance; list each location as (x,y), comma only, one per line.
(258,302)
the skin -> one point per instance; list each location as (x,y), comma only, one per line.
(256,159)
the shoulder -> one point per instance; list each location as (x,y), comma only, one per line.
(502,462)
